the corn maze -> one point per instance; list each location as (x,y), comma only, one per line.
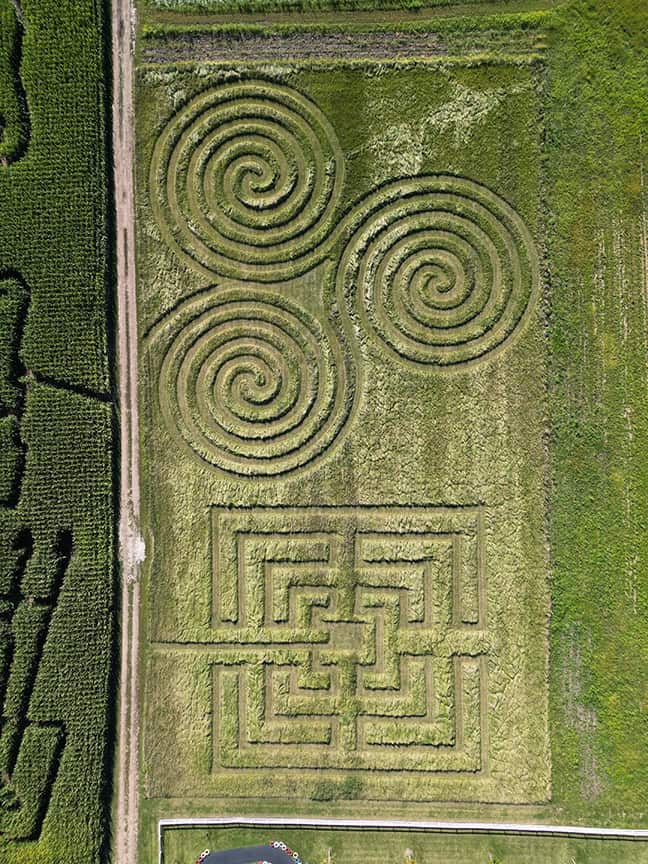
(30,751)
(55,435)
(345,634)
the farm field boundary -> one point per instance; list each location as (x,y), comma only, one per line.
(233,664)
(187,645)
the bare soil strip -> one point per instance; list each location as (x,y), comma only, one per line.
(131,546)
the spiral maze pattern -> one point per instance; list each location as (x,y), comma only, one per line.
(245,181)
(250,382)
(440,270)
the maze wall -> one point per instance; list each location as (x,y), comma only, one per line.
(344,420)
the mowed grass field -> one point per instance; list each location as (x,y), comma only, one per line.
(358,847)
(393,334)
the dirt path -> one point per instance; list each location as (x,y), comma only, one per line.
(130,542)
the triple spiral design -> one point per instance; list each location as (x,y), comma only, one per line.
(251,382)
(246,182)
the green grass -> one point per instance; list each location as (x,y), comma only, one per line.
(596,156)
(56,550)
(360,847)
(217,7)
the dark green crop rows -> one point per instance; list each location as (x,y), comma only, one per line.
(14,120)
(56,555)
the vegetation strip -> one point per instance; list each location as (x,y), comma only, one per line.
(319,43)
(276,11)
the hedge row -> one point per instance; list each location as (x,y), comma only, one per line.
(56,519)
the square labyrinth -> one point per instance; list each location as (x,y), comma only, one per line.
(355,646)
(358,639)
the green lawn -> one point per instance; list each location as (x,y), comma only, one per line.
(356,847)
